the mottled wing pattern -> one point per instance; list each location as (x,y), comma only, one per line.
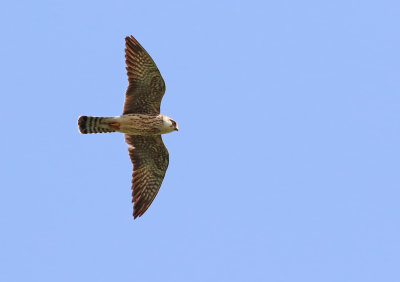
(146,85)
(150,161)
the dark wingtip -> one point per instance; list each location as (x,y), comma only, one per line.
(129,38)
(136,214)
(138,211)
(132,42)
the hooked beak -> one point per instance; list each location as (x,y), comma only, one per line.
(176,128)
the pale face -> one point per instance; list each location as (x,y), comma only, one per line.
(169,124)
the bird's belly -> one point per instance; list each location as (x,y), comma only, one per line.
(132,130)
(140,125)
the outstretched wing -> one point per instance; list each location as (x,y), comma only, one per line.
(150,159)
(146,85)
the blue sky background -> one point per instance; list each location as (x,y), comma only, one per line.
(285,168)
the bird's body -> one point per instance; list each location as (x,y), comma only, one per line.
(132,124)
(142,123)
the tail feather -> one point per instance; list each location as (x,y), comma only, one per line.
(94,125)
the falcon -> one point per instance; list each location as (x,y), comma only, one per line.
(142,123)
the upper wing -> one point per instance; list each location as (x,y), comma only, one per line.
(150,160)
(146,85)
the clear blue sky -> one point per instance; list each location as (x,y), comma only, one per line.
(286,166)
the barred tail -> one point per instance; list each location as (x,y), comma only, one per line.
(94,124)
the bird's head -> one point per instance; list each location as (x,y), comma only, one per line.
(170,124)
(174,124)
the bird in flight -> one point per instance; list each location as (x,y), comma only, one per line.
(142,123)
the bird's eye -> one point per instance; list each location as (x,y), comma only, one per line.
(173,122)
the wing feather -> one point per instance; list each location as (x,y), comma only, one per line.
(146,85)
(150,160)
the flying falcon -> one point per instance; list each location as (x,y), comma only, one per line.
(142,124)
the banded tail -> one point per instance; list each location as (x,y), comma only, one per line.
(95,124)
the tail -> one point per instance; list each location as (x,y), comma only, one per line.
(94,124)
